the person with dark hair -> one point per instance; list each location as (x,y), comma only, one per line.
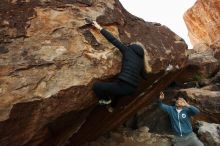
(180,121)
(180,95)
(131,72)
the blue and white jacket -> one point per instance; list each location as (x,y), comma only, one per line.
(180,122)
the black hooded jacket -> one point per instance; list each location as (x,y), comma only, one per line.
(132,62)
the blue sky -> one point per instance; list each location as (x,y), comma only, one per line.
(166,12)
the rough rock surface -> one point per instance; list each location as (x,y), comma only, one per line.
(207,101)
(203,22)
(209,133)
(49,59)
(128,137)
(203,57)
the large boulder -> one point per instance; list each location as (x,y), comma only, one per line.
(209,133)
(203,57)
(50,58)
(203,63)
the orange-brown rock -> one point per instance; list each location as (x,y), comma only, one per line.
(203,22)
(49,59)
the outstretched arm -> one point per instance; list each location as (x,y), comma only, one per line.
(163,106)
(110,37)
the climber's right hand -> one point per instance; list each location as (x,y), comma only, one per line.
(94,23)
(161,95)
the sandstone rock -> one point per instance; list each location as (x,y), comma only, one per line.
(203,21)
(49,59)
(203,57)
(203,63)
(209,133)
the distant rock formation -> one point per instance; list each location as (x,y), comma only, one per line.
(203,22)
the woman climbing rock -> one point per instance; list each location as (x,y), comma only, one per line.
(132,70)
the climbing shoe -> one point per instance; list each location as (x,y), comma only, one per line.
(105,101)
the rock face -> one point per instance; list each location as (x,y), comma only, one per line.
(209,133)
(203,63)
(49,59)
(203,22)
(203,57)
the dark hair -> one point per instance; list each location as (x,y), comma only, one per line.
(182,95)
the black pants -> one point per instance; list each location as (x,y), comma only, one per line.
(104,90)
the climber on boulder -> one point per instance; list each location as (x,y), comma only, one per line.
(180,121)
(132,70)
